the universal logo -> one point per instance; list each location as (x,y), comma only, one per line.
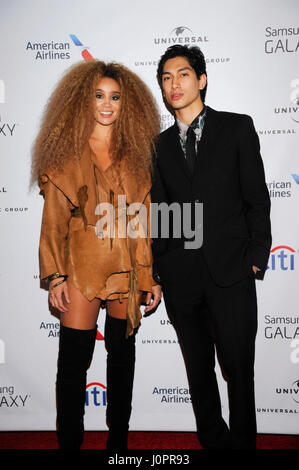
(14,210)
(292,391)
(181,35)
(293,109)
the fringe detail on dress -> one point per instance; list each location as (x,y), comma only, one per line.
(133,309)
(82,199)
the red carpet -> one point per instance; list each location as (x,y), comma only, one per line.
(137,440)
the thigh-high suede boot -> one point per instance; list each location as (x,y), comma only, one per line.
(120,377)
(75,354)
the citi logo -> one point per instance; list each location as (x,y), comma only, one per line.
(2,92)
(84,52)
(96,394)
(282,258)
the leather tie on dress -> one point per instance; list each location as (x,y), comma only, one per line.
(190,148)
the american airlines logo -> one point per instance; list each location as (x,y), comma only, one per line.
(84,52)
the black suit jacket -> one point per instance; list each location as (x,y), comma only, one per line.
(229,180)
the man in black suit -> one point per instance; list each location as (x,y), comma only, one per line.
(212,158)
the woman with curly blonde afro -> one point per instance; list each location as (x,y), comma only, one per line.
(92,160)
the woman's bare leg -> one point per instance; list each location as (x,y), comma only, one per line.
(82,314)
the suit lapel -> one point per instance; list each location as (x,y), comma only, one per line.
(208,140)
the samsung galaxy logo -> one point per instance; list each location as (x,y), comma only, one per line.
(283,40)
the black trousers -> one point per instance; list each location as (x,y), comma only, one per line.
(206,316)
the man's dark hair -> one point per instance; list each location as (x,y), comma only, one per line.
(194,56)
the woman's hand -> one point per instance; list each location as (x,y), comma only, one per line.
(59,295)
(153,299)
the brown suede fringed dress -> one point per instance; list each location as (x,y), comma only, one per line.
(95,229)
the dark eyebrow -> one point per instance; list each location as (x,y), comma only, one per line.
(179,70)
(99,89)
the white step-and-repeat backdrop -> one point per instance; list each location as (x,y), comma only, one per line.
(252,50)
